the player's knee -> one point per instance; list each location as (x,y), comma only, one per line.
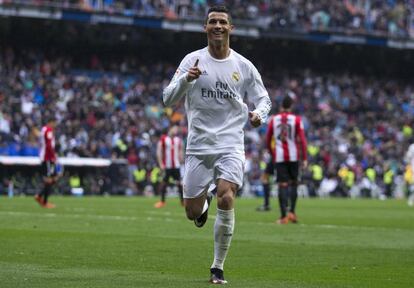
(225,201)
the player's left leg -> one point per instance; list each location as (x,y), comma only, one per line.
(163,192)
(229,172)
(47,189)
(293,172)
(267,178)
(223,228)
(163,189)
(283,202)
(293,196)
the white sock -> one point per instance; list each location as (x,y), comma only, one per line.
(223,232)
(411,200)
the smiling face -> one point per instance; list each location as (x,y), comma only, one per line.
(218,27)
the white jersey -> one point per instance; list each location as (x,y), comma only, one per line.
(409,156)
(214,104)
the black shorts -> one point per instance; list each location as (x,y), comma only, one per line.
(173,173)
(287,171)
(270,168)
(49,169)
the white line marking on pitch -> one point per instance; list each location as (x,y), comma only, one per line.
(169,219)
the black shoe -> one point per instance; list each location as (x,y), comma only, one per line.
(217,276)
(263,208)
(200,221)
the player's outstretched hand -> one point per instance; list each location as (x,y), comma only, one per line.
(254,119)
(194,72)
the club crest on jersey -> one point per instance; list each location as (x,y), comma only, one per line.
(236,76)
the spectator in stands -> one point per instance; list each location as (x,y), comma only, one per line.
(371,17)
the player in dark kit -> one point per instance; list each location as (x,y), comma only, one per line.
(266,178)
(49,165)
(286,131)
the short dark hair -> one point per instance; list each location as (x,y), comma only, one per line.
(49,118)
(287,102)
(222,9)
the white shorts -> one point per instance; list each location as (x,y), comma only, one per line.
(203,170)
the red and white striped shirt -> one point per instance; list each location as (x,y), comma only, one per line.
(47,144)
(171,148)
(286,129)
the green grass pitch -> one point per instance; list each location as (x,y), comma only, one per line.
(125,242)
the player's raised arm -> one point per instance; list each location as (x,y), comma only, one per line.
(181,83)
(194,72)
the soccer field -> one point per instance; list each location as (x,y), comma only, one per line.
(125,242)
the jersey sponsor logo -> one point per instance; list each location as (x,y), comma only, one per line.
(222,91)
(235,76)
(207,93)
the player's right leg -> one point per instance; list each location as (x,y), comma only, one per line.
(217,276)
(229,175)
(266,193)
(282,176)
(197,178)
(49,181)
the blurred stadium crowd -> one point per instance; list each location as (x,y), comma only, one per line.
(377,17)
(358,127)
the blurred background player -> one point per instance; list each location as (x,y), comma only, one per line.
(409,159)
(169,157)
(266,178)
(287,132)
(48,162)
